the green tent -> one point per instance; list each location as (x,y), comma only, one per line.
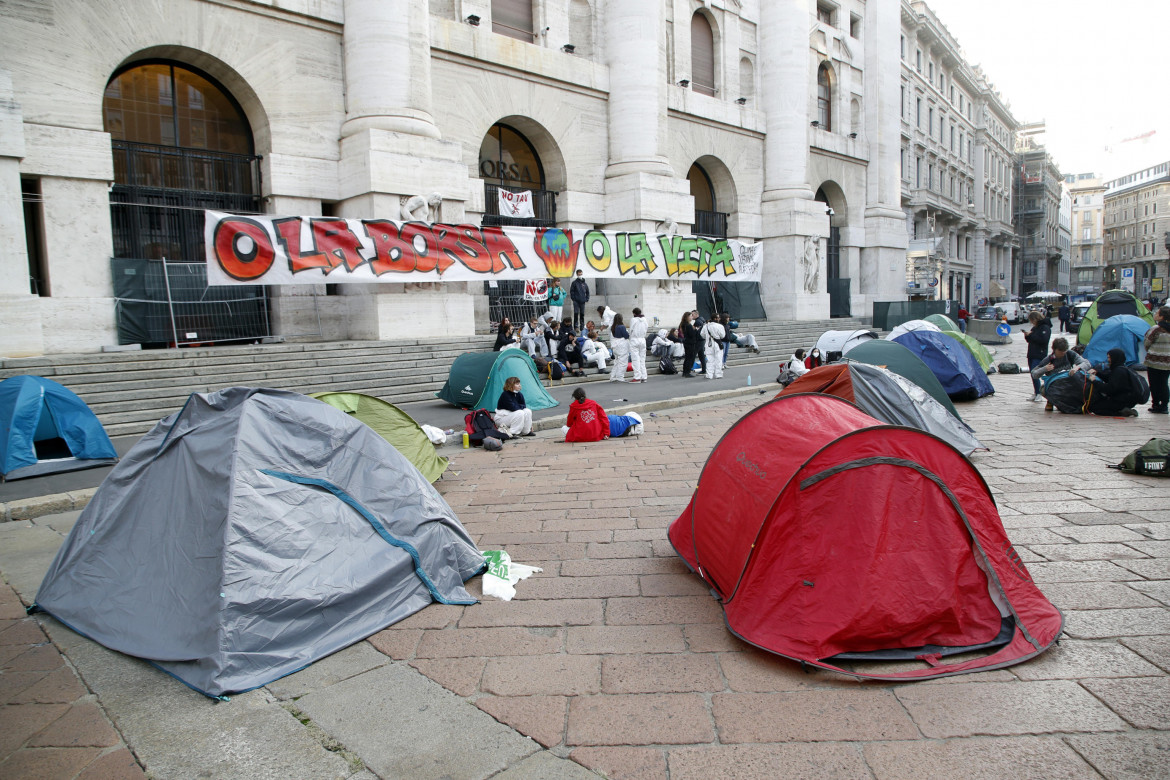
(981,353)
(393,425)
(900,360)
(477,379)
(1109,303)
(942,322)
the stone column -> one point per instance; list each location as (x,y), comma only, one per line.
(883,259)
(795,226)
(20,319)
(391,149)
(641,187)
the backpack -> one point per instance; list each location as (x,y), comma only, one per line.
(1151,459)
(480,425)
(1140,387)
(555,370)
(666,366)
(787,376)
(1009,368)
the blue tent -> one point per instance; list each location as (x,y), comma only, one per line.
(1123,331)
(952,363)
(45,428)
(477,379)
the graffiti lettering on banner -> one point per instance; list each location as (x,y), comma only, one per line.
(269,250)
(517,205)
(536,290)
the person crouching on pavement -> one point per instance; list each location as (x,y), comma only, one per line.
(587,421)
(1118,390)
(1061,359)
(513,415)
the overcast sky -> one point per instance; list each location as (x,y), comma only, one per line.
(1095,70)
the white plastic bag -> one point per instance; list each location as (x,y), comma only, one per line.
(502,574)
(436,435)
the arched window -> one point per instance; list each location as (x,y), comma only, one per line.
(702,55)
(581,27)
(513,18)
(708,220)
(747,78)
(824,97)
(508,159)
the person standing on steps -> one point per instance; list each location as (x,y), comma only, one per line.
(619,339)
(556,299)
(579,293)
(690,337)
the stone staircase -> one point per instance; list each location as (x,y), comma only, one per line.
(131,391)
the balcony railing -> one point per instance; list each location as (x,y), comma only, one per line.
(712,224)
(544,206)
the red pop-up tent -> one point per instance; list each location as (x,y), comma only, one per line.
(830,537)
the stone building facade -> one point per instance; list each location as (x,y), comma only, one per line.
(1087,258)
(957,141)
(1043,216)
(120,121)
(1137,231)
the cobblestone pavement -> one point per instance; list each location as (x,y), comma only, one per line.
(616,657)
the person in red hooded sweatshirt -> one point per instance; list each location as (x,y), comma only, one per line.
(587,420)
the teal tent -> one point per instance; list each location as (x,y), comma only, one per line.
(900,360)
(477,379)
(942,322)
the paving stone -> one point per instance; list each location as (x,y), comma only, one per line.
(546,765)
(810,716)
(58,686)
(83,725)
(21,632)
(37,658)
(1101,518)
(47,763)
(22,721)
(1080,571)
(1140,700)
(1005,709)
(342,665)
(566,675)
(681,584)
(399,645)
(1086,552)
(466,642)
(461,676)
(666,673)
(1071,659)
(14,684)
(652,719)
(1152,569)
(619,566)
(712,638)
(754,671)
(1159,590)
(551,612)
(623,763)
(624,639)
(1050,507)
(1155,649)
(1152,548)
(1104,623)
(540,717)
(1098,533)
(1035,536)
(433,617)
(1016,520)
(422,735)
(663,609)
(1022,758)
(1095,595)
(1125,756)
(1158,530)
(746,762)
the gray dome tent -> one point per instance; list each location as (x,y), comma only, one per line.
(251,534)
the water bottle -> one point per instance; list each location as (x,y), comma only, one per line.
(466,440)
(749,380)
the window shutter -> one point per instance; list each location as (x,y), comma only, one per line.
(513,18)
(702,55)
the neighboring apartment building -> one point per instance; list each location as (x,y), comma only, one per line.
(1043,216)
(957,141)
(763,121)
(1087,258)
(1137,231)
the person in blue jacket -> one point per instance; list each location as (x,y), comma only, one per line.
(556,299)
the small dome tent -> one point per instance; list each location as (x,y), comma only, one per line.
(393,425)
(952,363)
(477,379)
(858,541)
(901,361)
(1109,304)
(888,397)
(942,322)
(46,428)
(1122,331)
(841,341)
(910,326)
(250,534)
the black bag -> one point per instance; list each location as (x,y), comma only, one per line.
(1151,459)
(1140,387)
(1009,368)
(666,366)
(555,370)
(481,425)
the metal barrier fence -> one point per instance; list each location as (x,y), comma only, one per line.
(161,303)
